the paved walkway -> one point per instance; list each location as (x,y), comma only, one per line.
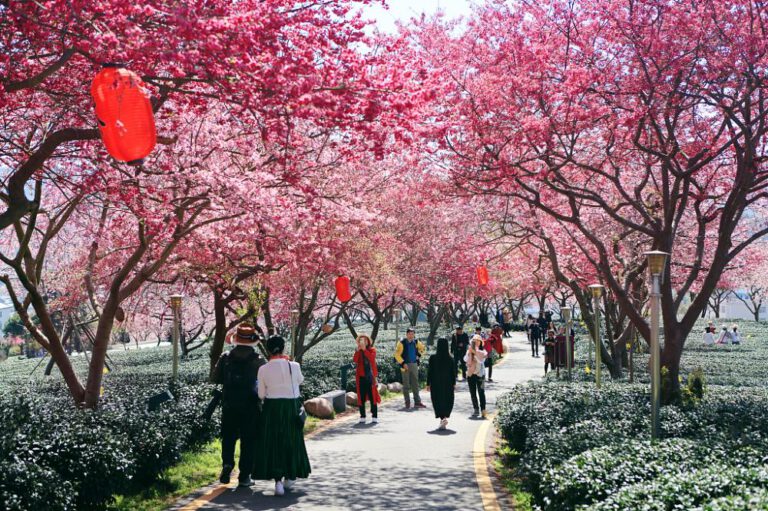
(402,463)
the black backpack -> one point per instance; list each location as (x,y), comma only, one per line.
(239,380)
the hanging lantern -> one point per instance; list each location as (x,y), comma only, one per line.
(124,113)
(342,289)
(482,275)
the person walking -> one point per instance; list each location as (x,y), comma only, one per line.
(529,322)
(408,354)
(507,324)
(492,344)
(543,325)
(366,375)
(549,351)
(459,345)
(283,452)
(441,382)
(535,332)
(237,370)
(475,359)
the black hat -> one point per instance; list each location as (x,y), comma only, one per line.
(459,327)
(478,328)
(410,330)
(275,345)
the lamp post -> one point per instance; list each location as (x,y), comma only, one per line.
(396,316)
(176,309)
(597,292)
(657,260)
(294,320)
(566,313)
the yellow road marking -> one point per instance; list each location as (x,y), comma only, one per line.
(487,493)
(207,497)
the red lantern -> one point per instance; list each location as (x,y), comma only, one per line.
(342,289)
(125,116)
(482,275)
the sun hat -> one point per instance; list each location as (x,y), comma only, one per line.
(245,335)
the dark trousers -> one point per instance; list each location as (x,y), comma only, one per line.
(477,388)
(366,392)
(489,367)
(535,344)
(239,423)
(460,364)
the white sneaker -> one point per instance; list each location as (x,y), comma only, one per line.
(361,421)
(375,420)
(288,483)
(279,489)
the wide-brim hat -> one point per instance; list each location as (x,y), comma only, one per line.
(245,335)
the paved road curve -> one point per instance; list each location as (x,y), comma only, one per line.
(404,462)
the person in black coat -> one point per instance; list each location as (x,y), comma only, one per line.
(441,382)
(459,345)
(237,370)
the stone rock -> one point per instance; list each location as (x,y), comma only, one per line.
(319,407)
(395,387)
(351,399)
(382,388)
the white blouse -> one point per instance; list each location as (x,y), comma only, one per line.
(275,379)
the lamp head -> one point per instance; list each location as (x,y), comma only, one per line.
(597,290)
(657,260)
(565,312)
(294,313)
(176,301)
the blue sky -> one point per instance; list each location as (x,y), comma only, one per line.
(406,9)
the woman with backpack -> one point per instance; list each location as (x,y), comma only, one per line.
(283,452)
(237,370)
(366,374)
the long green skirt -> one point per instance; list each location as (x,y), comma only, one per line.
(280,450)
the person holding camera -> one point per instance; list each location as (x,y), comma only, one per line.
(366,374)
(408,354)
(475,359)
(283,452)
(238,370)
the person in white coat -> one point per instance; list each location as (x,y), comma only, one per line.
(475,359)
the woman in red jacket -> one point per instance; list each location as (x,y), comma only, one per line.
(366,375)
(493,343)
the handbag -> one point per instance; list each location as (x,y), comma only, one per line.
(301,416)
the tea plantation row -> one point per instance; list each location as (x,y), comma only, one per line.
(574,447)
(54,456)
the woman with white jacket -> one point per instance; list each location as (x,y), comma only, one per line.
(475,359)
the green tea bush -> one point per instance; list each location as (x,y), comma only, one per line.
(579,448)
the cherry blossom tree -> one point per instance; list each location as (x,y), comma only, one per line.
(647,118)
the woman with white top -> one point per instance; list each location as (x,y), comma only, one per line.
(709,336)
(475,359)
(283,455)
(735,335)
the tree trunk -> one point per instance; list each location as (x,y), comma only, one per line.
(674,340)
(220,330)
(99,354)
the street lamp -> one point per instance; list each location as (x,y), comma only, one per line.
(566,313)
(176,309)
(396,317)
(597,292)
(294,320)
(657,260)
